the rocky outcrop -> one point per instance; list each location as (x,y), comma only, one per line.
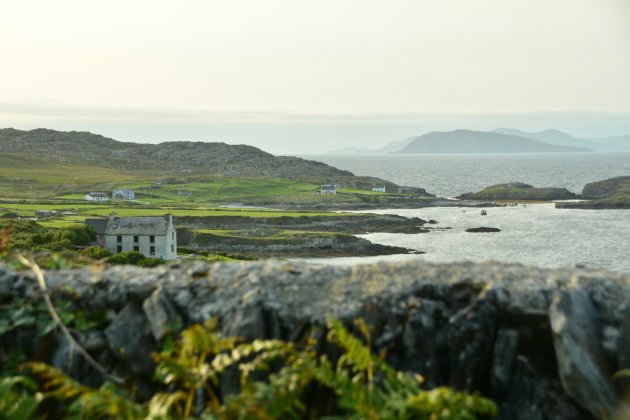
(613,193)
(304,244)
(354,224)
(483,229)
(543,343)
(607,188)
(519,191)
(584,372)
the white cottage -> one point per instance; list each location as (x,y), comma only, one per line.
(151,236)
(96,196)
(378,188)
(328,189)
(123,194)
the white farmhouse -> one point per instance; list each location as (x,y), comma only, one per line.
(328,189)
(378,188)
(96,196)
(151,236)
(123,194)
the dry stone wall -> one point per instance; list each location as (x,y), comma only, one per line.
(543,343)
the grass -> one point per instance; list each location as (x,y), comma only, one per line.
(103,210)
(28,177)
(274,234)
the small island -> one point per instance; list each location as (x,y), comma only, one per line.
(519,191)
(612,193)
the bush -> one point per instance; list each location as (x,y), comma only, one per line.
(128,257)
(150,262)
(96,252)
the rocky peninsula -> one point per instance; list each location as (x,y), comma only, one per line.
(612,193)
(519,191)
(542,343)
(304,236)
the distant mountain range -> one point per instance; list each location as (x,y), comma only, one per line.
(501,140)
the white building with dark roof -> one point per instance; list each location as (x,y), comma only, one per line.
(151,236)
(123,194)
(96,196)
(328,189)
(378,188)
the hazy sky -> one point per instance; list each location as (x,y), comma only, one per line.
(294,76)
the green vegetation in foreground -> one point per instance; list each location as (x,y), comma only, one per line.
(277,378)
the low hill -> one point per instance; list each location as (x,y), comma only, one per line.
(468,141)
(84,148)
(602,144)
(518,191)
(607,188)
(612,193)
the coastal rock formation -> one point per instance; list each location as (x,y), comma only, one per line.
(607,187)
(613,193)
(541,342)
(519,191)
(483,229)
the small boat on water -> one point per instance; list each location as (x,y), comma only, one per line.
(484,212)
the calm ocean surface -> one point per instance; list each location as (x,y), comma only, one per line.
(451,175)
(537,234)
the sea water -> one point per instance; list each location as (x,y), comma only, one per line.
(451,175)
(537,234)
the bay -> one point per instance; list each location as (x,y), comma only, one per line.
(537,234)
(451,175)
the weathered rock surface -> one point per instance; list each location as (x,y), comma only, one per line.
(515,333)
(584,372)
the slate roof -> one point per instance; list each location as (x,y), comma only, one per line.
(138,226)
(99,225)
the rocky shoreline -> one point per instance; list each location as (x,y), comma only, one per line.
(290,237)
(542,343)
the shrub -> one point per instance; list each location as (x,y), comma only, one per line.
(96,252)
(150,262)
(128,257)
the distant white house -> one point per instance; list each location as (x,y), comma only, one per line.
(96,196)
(151,236)
(328,189)
(123,194)
(44,213)
(378,188)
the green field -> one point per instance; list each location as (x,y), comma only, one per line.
(26,210)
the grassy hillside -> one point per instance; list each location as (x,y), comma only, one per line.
(53,167)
